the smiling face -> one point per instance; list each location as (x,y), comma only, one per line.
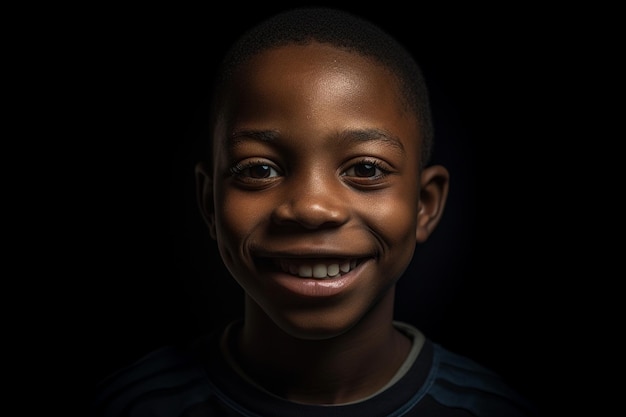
(315,196)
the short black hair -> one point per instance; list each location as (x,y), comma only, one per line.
(343,30)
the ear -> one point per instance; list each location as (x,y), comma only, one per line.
(433,195)
(204,196)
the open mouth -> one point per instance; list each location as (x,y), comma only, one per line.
(314,276)
(316,268)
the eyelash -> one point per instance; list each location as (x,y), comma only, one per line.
(238,169)
(380,166)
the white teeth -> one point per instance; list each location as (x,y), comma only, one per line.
(318,270)
(305,271)
(333,270)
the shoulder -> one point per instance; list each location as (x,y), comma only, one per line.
(170,378)
(459,382)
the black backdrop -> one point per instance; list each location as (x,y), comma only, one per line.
(484,284)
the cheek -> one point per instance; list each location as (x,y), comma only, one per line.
(238,215)
(395,222)
(394,214)
(398,234)
(236,218)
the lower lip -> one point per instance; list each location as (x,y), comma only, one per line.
(311,287)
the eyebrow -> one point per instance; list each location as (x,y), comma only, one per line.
(260,135)
(346,137)
(351,136)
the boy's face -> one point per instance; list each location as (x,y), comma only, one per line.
(315,191)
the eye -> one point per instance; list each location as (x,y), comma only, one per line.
(260,171)
(368,174)
(254,170)
(366,169)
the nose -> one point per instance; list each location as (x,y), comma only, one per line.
(313,203)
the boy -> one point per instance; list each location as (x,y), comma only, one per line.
(317,190)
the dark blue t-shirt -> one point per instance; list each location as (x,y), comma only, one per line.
(198,381)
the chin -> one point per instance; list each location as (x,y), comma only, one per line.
(316,326)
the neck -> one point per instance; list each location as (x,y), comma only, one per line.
(332,370)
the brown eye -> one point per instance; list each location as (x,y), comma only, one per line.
(254,171)
(364,170)
(261,171)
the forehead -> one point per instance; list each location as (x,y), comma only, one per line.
(315,88)
(317,69)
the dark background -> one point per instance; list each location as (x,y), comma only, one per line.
(143,272)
